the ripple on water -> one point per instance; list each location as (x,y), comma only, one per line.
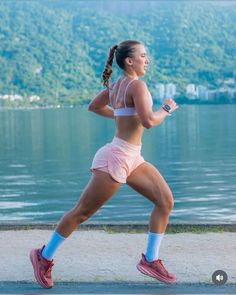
(17,166)
(16,205)
(11,217)
(9,195)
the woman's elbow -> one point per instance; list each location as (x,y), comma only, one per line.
(151,122)
(91,107)
(147,124)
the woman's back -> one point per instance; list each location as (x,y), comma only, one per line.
(128,125)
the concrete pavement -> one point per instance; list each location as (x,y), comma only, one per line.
(95,260)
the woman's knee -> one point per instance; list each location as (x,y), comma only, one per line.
(80,215)
(166,204)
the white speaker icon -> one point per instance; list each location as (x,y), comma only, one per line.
(219,278)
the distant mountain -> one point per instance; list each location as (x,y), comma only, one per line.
(57,49)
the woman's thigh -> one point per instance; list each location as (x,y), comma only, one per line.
(100,189)
(148,181)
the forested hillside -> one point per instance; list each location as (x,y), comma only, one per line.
(57,49)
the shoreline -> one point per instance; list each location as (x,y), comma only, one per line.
(125,227)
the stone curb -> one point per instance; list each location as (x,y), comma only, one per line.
(125,227)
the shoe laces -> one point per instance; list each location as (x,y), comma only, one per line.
(48,267)
(158,262)
(47,264)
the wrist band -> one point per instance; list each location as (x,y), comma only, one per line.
(167,109)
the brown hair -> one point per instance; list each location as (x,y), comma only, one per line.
(121,51)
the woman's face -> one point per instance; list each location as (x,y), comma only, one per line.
(139,62)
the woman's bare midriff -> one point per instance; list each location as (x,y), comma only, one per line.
(129,129)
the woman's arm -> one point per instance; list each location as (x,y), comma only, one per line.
(141,100)
(99,105)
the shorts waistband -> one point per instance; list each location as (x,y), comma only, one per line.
(126,145)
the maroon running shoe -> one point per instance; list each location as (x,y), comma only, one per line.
(42,268)
(155,269)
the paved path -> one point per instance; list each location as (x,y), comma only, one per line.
(97,259)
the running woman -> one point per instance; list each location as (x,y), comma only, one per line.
(129,103)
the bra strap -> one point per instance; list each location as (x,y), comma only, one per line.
(126,91)
(118,92)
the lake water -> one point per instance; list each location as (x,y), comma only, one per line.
(45,156)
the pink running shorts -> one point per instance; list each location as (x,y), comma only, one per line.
(118,158)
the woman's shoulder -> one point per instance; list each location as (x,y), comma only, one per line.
(138,86)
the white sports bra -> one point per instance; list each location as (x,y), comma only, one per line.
(124,111)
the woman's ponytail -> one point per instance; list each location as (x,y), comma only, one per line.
(106,74)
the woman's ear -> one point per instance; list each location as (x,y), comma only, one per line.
(129,61)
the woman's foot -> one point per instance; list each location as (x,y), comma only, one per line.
(155,269)
(42,268)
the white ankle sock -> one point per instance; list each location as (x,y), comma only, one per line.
(153,245)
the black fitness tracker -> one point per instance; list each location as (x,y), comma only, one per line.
(167,108)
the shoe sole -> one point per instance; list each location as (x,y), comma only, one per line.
(34,262)
(154,275)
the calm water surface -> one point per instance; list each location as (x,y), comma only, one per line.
(45,156)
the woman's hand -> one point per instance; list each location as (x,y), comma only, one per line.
(171,103)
